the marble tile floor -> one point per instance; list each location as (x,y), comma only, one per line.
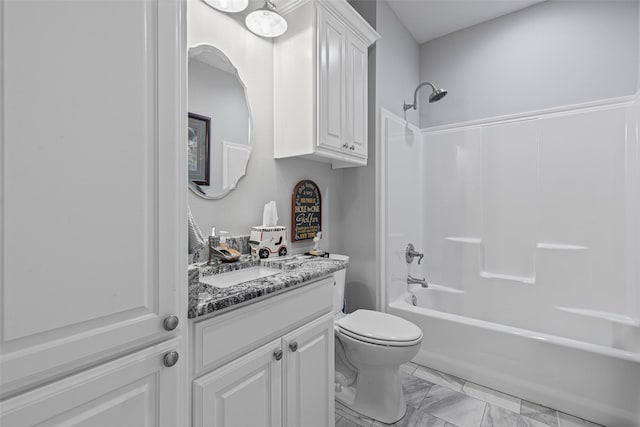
(435,399)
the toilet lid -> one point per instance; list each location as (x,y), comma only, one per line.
(378,327)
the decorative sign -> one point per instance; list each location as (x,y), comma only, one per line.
(306,214)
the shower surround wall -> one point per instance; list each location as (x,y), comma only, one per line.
(530,227)
(534,211)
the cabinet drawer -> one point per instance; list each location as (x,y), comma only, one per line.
(218,340)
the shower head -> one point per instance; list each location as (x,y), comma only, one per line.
(436,95)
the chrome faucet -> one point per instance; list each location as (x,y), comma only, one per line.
(410,253)
(422,282)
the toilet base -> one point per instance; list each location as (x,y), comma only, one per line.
(377,394)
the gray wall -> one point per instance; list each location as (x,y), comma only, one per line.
(397,65)
(393,74)
(267,179)
(551,54)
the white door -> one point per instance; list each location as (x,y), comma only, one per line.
(134,391)
(357,57)
(243,393)
(93,182)
(331,75)
(309,375)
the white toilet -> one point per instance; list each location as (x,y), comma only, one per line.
(370,347)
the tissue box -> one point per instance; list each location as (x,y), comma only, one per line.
(268,241)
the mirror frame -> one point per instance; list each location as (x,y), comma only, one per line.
(195,189)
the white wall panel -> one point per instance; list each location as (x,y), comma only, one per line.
(509,175)
(582,173)
(404,199)
(452,203)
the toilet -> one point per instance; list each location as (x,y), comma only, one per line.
(370,346)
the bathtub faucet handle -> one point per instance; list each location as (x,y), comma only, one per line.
(410,253)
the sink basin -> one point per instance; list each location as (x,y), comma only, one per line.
(231,278)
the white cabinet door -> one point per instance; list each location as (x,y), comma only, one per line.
(136,390)
(331,74)
(357,57)
(93,182)
(309,375)
(243,393)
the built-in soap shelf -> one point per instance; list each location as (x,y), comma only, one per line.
(521,279)
(529,280)
(472,240)
(561,247)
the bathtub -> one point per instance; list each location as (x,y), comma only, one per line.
(590,380)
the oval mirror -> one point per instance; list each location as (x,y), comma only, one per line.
(220,137)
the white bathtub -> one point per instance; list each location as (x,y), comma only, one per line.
(590,380)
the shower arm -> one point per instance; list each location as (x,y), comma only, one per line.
(415,96)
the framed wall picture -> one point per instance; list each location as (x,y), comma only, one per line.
(306,211)
(199,129)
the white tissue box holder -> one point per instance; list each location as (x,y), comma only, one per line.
(267,241)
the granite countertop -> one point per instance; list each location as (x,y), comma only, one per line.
(297,270)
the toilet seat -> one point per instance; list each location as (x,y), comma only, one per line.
(375,327)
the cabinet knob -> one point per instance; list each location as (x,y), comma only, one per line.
(353,147)
(293,346)
(277,354)
(345,145)
(171,358)
(170,323)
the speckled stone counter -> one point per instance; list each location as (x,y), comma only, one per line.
(297,271)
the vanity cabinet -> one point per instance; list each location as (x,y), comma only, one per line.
(279,373)
(321,83)
(94,180)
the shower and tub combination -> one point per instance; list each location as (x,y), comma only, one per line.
(530,230)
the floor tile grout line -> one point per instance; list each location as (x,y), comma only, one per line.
(483,413)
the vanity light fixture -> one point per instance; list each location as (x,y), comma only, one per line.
(228,5)
(266,22)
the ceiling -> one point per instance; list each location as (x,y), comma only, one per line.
(430,19)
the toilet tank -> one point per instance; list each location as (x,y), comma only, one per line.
(338,288)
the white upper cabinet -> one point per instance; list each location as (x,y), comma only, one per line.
(332,38)
(93,183)
(321,83)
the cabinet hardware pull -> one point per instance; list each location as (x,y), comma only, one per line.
(171,358)
(294,346)
(277,354)
(345,145)
(353,147)
(170,323)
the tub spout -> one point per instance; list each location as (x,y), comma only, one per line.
(422,282)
